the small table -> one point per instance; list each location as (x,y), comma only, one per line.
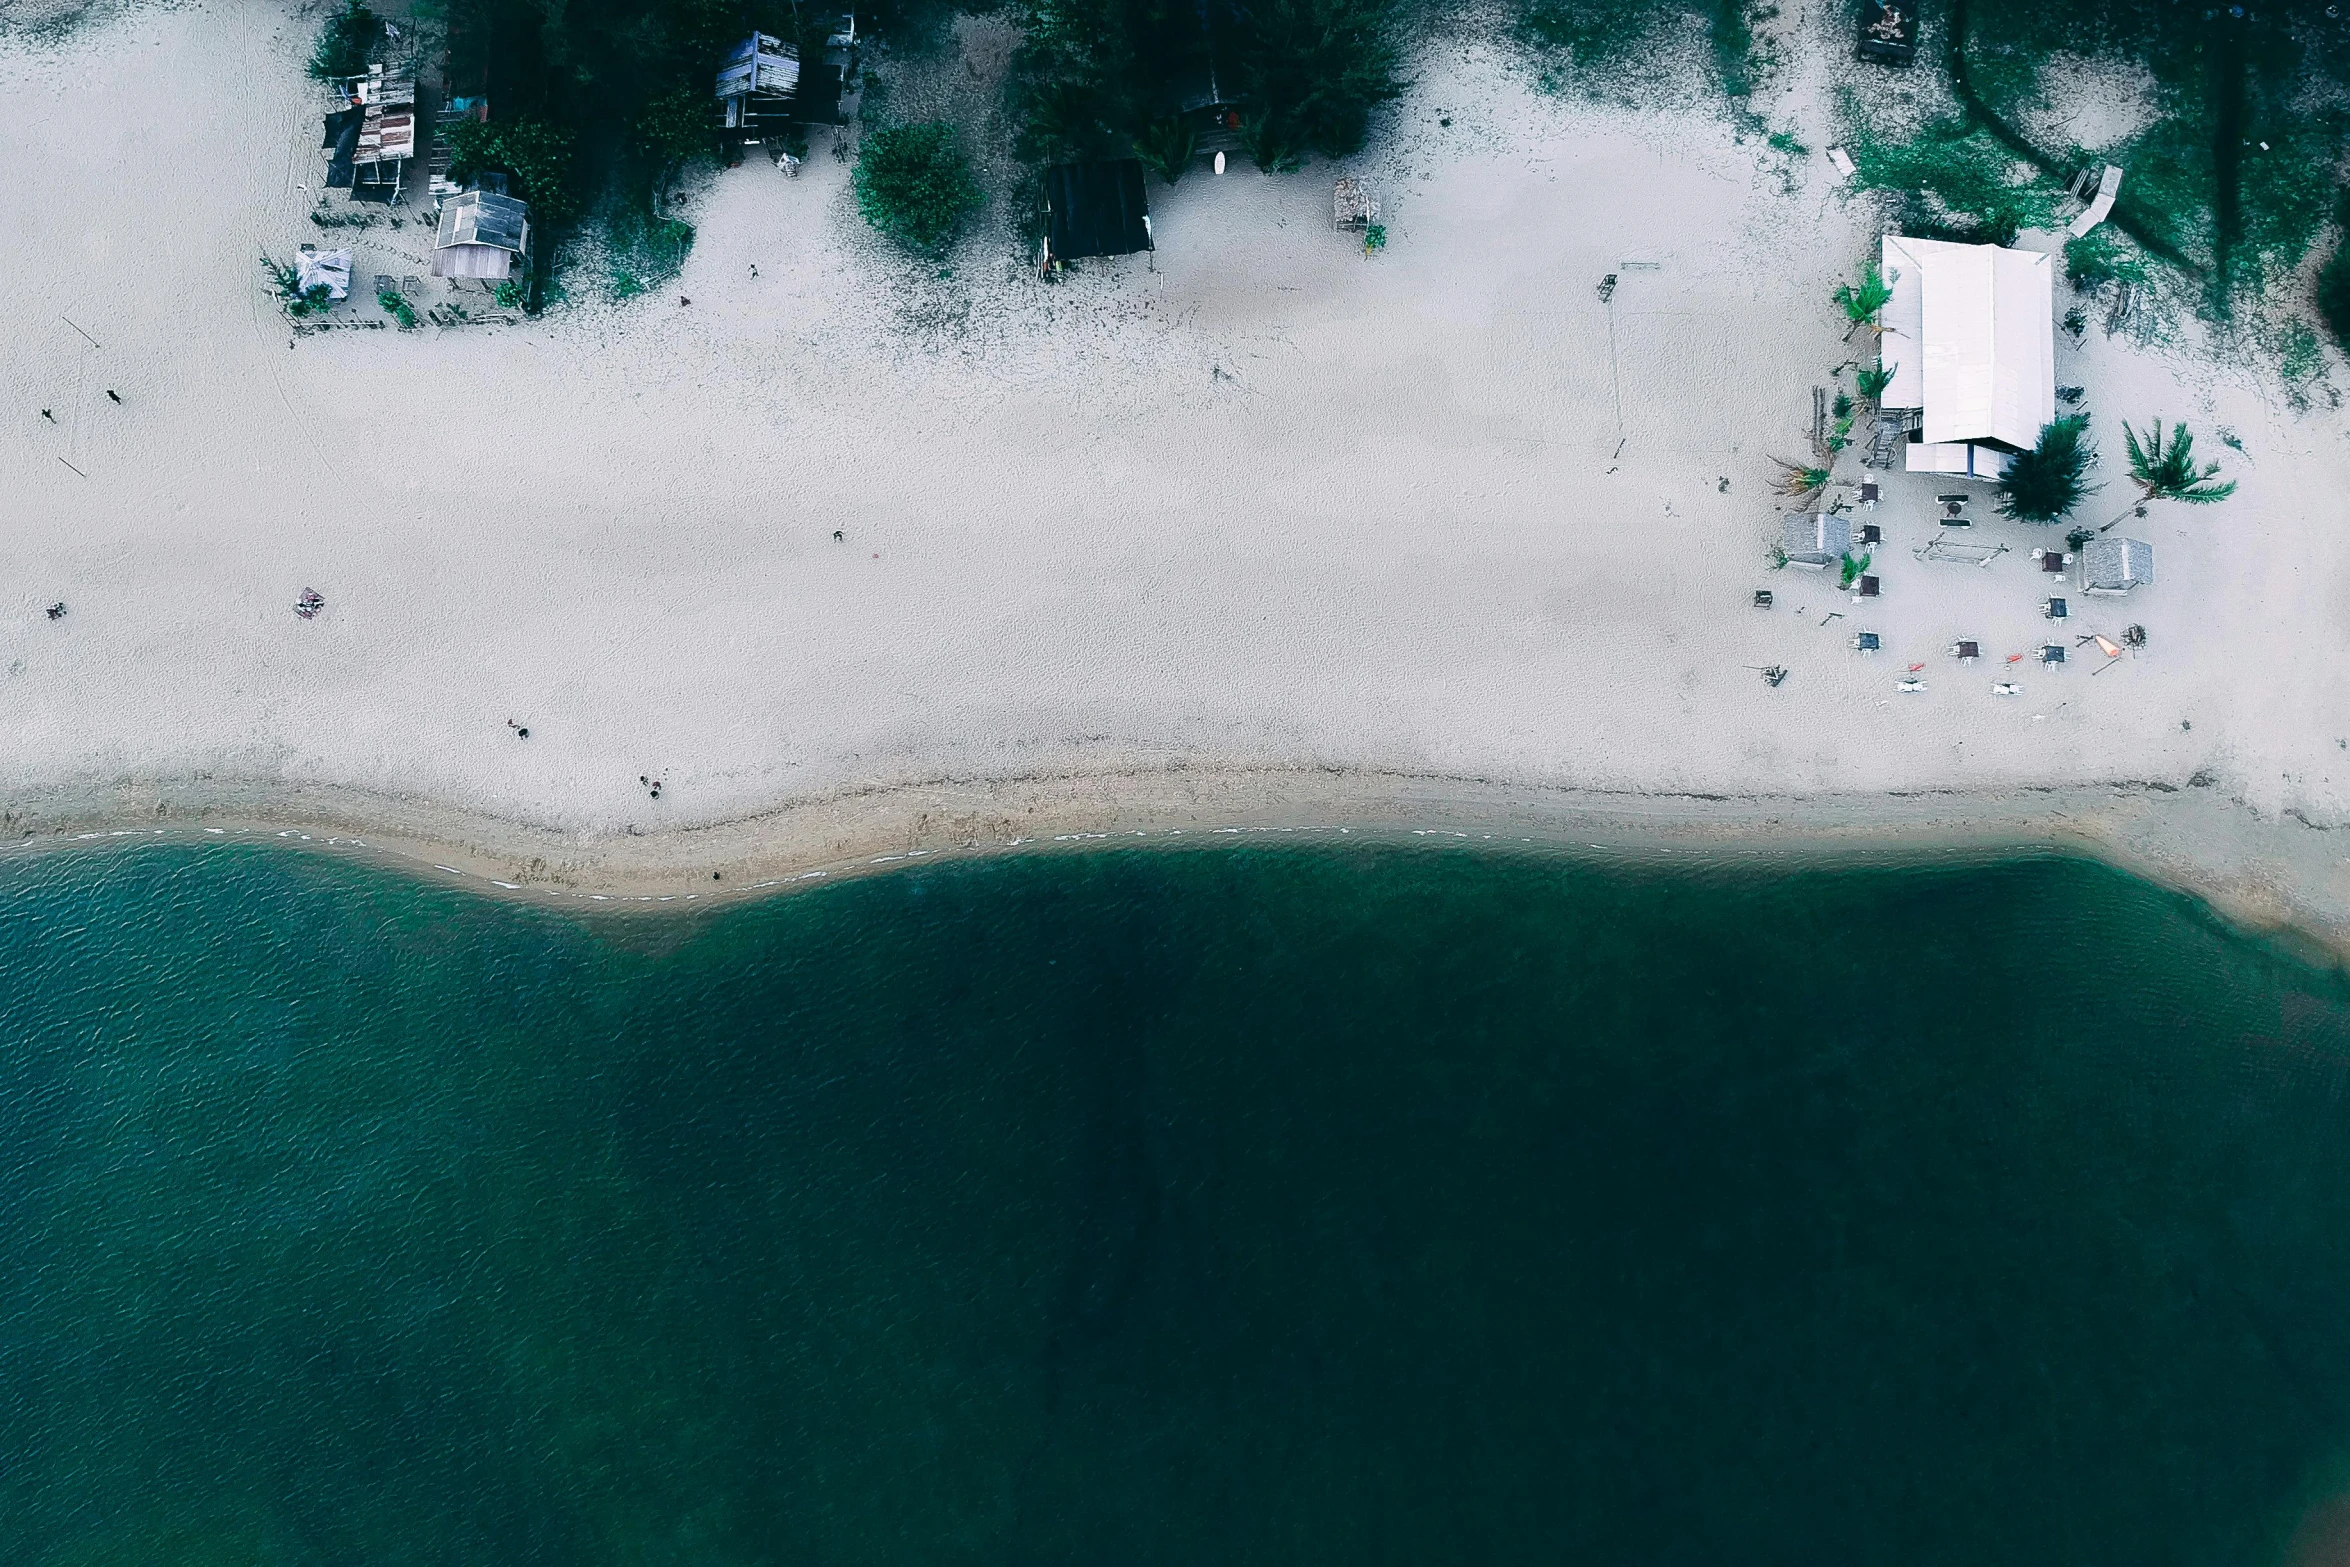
(2056,609)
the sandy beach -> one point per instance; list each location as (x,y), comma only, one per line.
(1249,532)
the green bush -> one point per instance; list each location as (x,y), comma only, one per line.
(1315,69)
(343,42)
(510,294)
(1166,145)
(914,185)
(299,301)
(536,154)
(2045,483)
(675,125)
(2096,258)
(1957,182)
(396,306)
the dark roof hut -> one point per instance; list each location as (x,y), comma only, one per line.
(1095,209)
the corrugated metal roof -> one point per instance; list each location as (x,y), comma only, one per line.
(763,64)
(481,217)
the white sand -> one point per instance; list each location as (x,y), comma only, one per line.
(1253,503)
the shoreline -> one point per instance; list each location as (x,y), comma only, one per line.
(2272,875)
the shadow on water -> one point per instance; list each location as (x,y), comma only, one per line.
(1376,1205)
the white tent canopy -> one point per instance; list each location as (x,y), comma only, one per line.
(1971,334)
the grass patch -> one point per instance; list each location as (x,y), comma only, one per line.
(1953,180)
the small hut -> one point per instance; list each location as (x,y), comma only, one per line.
(483,235)
(2116,565)
(1095,209)
(758,83)
(1817,538)
(1888,31)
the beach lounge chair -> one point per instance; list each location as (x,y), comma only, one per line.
(1966,652)
(2055,609)
(1912,686)
(2005,688)
(1762,598)
(1865,642)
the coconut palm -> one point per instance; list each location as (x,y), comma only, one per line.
(1873,381)
(2164,470)
(2048,481)
(1860,305)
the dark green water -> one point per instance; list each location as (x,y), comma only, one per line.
(1378,1206)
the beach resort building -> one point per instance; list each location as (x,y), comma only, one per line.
(1970,335)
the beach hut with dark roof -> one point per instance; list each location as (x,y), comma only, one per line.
(2116,565)
(483,235)
(1095,209)
(1816,538)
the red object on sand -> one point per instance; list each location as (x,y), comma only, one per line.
(1914,668)
(2015,658)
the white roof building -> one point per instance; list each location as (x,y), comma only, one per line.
(1971,335)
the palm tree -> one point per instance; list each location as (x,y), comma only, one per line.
(2166,471)
(1873,382)
(1860,305)
(2043,484)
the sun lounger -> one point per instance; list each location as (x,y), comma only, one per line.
(1911,686)
(2005,688)
(2109,185)
(1762,598)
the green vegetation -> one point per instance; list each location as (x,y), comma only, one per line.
(1853,567)
(1872,380)
(537,155)
(645,250)
(2164,470)
(1591,43)
(2248,101)
(2102,256)
(1956,181)
(510,294)
(1860,304)
(675,126)
(915,186)
(1800,481)
(343,41)
(395,305)
(299,302)
(2047,482)
(1374,238)
(1101,78)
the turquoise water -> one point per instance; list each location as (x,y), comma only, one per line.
(1317,1206)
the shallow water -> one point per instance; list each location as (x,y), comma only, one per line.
(1376,1205)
